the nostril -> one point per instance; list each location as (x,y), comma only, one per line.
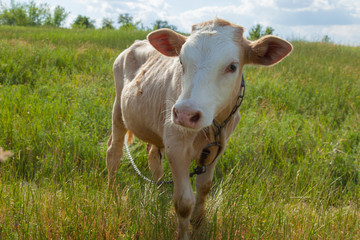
(196,117)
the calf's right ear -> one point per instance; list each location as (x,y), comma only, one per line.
(166,41)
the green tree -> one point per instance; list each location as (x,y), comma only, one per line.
(15,15)
(163,24)
(31,14)
(59,16)
(257,32)
(83,22)
(107,23)
(37,14)
(126,22)
(326,39)
(125,19)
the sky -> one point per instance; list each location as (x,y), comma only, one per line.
(307,20)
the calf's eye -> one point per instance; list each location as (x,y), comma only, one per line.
(231,68)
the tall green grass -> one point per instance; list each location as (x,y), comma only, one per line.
(291,169)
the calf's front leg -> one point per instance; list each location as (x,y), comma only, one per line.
(203,186)
(184,199)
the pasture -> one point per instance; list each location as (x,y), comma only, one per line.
(291,169)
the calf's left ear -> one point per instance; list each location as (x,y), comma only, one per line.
(267,51)
(166,41)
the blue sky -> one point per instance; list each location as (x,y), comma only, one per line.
(291,19)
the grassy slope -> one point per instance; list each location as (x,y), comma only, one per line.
(291,169)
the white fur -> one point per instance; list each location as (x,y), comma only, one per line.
(206,87)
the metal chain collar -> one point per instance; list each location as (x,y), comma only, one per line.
(206,151)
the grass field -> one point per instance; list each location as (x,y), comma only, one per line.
(291,169)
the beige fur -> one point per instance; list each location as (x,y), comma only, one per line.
(147,85)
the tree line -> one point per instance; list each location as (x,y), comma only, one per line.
(32,14)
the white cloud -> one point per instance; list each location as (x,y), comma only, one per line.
(352,6)
(188,18)
(293,5)
(310,19)
(344,34)
(242,14)
(340,34)
(145,11)
(263,3)
(303,5)
(155,3)
(321,5)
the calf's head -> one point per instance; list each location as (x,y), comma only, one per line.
(212,59)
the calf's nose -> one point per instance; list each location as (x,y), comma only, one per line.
(186,117)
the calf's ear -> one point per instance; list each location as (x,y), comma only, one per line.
(166,41)
(267,51)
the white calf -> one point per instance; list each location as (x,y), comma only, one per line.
(178,94)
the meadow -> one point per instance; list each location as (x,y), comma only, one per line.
(291,169)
